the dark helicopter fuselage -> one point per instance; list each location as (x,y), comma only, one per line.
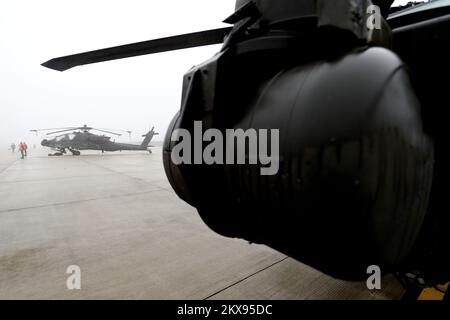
(88,141)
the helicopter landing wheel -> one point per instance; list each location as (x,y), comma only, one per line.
(75,152)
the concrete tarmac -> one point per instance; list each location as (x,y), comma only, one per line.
(117,218)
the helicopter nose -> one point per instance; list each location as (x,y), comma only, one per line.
(44,142)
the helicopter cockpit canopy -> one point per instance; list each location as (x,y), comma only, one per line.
(68,136)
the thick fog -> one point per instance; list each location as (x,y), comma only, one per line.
(130,94)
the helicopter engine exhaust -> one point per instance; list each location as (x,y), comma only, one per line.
(345,152)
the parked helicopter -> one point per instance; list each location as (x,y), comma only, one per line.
(75,139)
(359,156)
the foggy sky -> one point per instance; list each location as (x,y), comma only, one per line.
(130,94)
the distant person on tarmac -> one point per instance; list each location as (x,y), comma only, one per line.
(25,147)
(13,147)
(22,149)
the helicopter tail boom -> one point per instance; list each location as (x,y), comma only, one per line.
(148,138)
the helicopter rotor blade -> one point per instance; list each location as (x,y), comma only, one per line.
(110,132)
(129,132)
(190,40)
(39,130)
(114,130)
(60,131)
